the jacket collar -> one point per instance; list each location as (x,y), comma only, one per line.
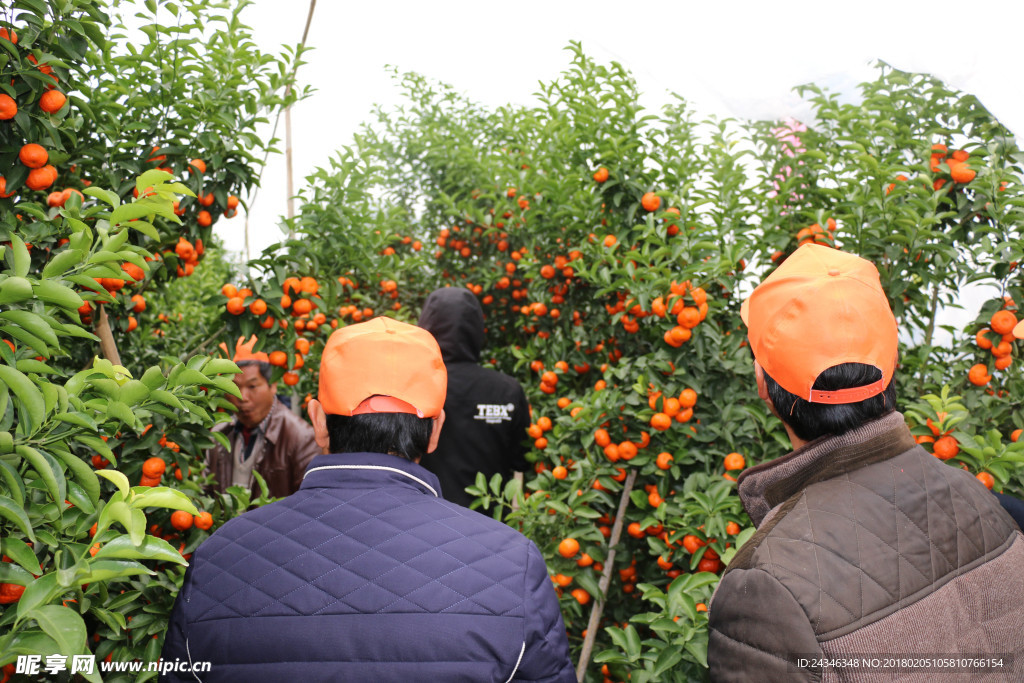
(769,484)
(271,425)
(369,470)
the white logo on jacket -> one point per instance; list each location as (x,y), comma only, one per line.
(494,414)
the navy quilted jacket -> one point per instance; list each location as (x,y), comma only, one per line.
(366,574)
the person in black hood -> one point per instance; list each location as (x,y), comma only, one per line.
(486,411)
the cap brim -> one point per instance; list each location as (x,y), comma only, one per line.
(1018,331)
(745,311)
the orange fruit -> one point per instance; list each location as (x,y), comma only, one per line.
(978,375)
(229,291)
(204,218)
(635,530)
(692,544)
(544,423)
(1003,362)
(688,398)
(52,101)
(290,379)
(154,467)
(601,175)
(560,472)
(982,340)
(661,422)
(232,202)
(568,547)
(602,438)
(12,36)
(198,165)
(181,520)
(1015,436)
(732,528)
(236,305)
(961,173)
(650,201)
(689,317)
(132,323)
(302,306)
(610,240)
(33,155)
(946,448)
(561,580)
(735,461)
(627,450)
(309,285)
(1003,322)
(582,596)
(987,479)
(258,307)
(41,178)
(8,107)
(664,461)
(564,402)
(585,560)
(654,499)
(204,520)
(205,199)
(278,358)
(709,565)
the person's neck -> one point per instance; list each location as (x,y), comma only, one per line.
(797,442)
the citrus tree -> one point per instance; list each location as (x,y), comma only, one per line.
(610,248)
(115,162)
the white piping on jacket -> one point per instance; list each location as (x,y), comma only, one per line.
(191,667)
(518,661)
(374,467)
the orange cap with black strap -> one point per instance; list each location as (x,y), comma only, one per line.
(382,366)
(822,307)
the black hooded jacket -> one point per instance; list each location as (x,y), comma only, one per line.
(486,413)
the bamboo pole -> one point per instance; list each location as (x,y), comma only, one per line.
(606,578)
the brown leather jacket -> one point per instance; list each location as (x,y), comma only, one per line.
(288,446)
(872,561)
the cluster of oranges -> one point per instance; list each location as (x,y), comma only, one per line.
(670,409)
(815,234)
(1001,347)
(957,163)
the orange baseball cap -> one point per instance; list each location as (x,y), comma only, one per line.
(244,351)
(820,308)
(382,366)
(1018,331)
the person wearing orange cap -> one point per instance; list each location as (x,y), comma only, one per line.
(366,573)
(265,436)
(872,558)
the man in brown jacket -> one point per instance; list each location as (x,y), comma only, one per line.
(264,436)
(873,560)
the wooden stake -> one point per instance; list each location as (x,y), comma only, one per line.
(606,579)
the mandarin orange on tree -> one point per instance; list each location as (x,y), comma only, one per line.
(568,548)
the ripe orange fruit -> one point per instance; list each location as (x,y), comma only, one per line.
(627,450)
(601,175)
(689,317)
(41,178)
(978,375)
(302,306)
(946,448)
(229,291)
(688,398)
(8,107)
(1003,322)
(236,305)
(560,472)
(205,199)
(692,544)
(735,461)
(635,530)
(661,422)
(582,596)
(33,155)
(982,340)
(987,479)
(204,218)
(154,467)
(568,547)
(309,285)
(12,36)
(602,438)
(654,499)
(564,402)
(650,201)
(181,520)
(732,528)
(278,358)
(52,101)
(232,202)
(561,580)
(1003,362)
(1016,434)
(198,165)
(709,565)
(585,560)
(961,173)
(290,379)
(204,520)
(610,240)
(664,461)
(258,307)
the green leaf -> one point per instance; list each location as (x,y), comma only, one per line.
(153,378)
(134,392)
(151,548)
(118,478)
(83,473)
(669,656)
(104,570)
(162,497)
(64,625)
(14,290)
(103,195)
(14,482)
(632,639)
(167,398)
(33,323)
(40,592)
(60,263)
(220,366)
(57,294)
(16,515)
(19,253)
(49,471)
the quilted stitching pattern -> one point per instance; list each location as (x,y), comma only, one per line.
(388,550)
(879,536)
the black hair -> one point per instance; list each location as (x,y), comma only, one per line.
(401,434)
(265,368)
(812,420)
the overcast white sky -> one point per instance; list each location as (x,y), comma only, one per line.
(739,58)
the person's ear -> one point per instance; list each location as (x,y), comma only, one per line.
(762,387)
(319,419)
(435,432)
